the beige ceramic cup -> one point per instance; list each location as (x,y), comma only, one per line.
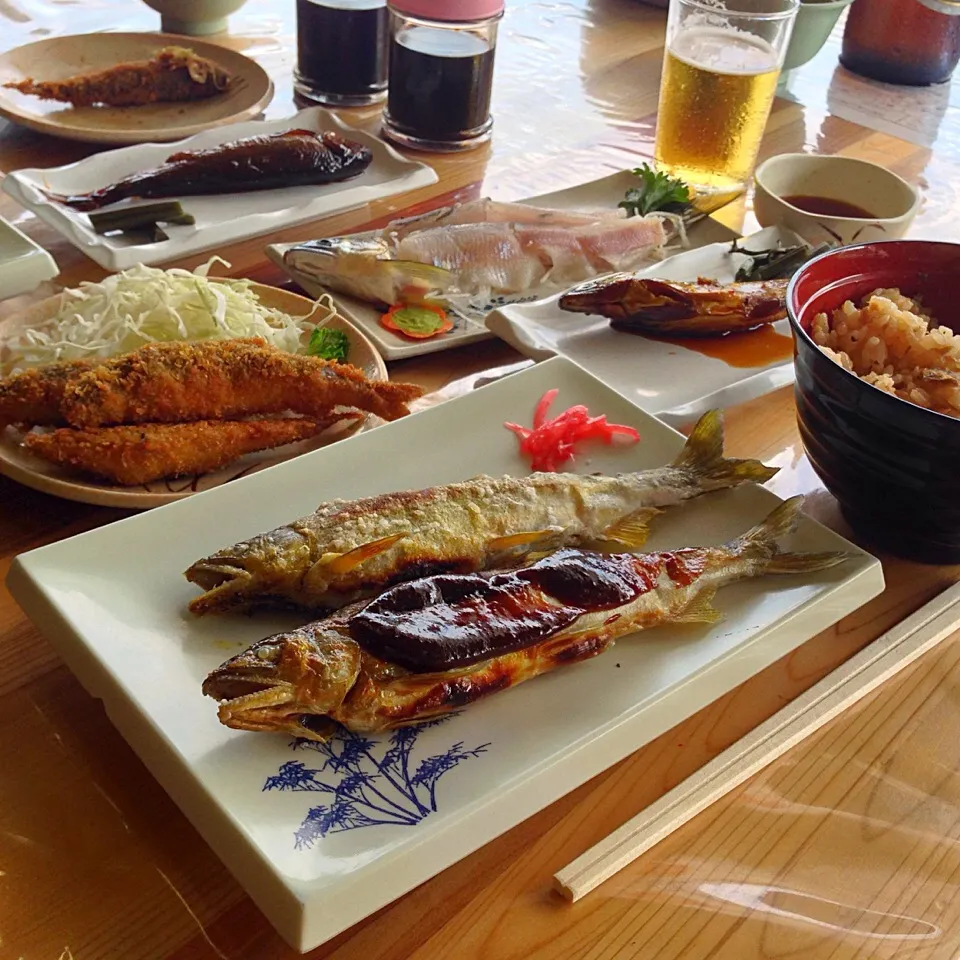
(892,201)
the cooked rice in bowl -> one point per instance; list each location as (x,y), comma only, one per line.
(890,342)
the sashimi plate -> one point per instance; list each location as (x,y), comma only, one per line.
(676,383)
(323,836)
(220,219)
(469,327)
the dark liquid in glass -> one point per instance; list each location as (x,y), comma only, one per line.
(440,84)
(342,50)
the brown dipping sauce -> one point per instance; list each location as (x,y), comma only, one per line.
(827,207)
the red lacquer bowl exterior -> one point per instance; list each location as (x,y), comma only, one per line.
(894,467)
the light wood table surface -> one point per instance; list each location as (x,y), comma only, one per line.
(846,848)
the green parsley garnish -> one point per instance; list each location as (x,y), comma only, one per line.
(658,191)
(328,344)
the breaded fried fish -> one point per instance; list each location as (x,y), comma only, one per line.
(175,74)
(152,451)
(35,396)
(223,379)
(349,550)
(435,645)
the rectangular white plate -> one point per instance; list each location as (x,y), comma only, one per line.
(219,219)
(113,602)
(672,382)
(24,265)
(602,194)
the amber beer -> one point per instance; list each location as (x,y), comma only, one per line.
(715,98)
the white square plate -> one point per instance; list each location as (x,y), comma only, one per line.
(113,602)
(219,219)
(602,194)
(674,383)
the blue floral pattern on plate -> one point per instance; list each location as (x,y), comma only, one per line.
(372,782)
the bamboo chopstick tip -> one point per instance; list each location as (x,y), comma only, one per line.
(563,890)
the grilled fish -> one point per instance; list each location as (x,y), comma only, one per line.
(290,159)
(672,308)
(435,645)
(346,550)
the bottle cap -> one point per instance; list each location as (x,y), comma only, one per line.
(449,11)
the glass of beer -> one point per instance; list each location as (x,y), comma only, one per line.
(721,65)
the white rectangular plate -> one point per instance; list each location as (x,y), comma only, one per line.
(24,265)
(113,602)
(219,219)
(602,194)
(670,381)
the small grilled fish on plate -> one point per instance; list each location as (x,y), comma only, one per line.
(425,648)
(677,309)
(347,551)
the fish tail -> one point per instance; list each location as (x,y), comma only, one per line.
(703,457)
(760,544)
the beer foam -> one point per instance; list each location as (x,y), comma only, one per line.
(724,50)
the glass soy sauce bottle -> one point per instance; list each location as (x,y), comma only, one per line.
(912,42)
(342,51)
(441,73)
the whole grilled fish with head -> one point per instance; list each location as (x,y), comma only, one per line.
(289,159)
(434,645)
(349,550)
(674,308)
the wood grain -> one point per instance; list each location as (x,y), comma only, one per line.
(845,848)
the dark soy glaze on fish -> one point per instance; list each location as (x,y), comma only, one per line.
(445,622)
(289,159)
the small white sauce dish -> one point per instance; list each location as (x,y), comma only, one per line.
(892,201)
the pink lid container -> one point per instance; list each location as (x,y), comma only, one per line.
(449,11)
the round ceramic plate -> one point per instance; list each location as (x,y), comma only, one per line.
(60,57)
(21,465)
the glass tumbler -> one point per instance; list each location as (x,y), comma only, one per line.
(721,65)
(342,51)
(441,73)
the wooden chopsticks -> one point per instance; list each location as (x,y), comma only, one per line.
(861,674)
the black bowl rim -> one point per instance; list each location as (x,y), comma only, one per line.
(797,328)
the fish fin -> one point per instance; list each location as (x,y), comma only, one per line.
(537,555)
(632,530)
(701,610)
(760,543)
(514,540)
(341,563)
(703,456)
(437,278)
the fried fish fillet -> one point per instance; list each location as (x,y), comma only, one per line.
(36,395)
(347,550)
(175,74)
(223,379)
(140,454)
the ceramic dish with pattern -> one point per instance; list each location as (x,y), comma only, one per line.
(468,326)
(322,835)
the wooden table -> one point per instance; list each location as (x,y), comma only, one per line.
(848,847)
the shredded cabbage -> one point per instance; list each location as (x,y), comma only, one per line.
(144,305)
